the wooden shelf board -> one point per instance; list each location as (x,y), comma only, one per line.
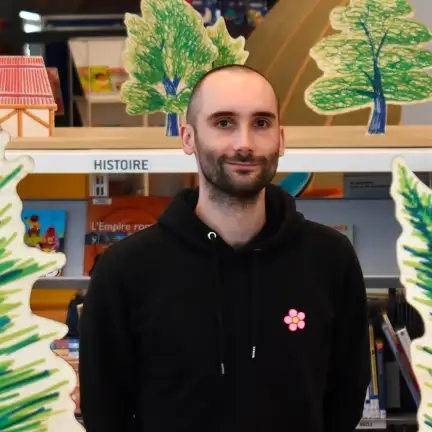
(297,137)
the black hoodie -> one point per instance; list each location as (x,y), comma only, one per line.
(182,333)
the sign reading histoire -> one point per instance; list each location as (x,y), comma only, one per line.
(132,165)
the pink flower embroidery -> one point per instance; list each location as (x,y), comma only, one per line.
(295,320)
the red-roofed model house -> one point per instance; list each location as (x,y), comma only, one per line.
(27,105)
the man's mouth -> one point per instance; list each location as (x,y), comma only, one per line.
(243,165)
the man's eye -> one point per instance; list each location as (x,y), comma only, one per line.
(223,123)
(262,123)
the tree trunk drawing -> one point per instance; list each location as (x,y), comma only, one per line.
(377,124)
(172,125)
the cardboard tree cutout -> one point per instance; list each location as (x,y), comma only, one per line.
(413,202)
(377,58)
(167,50)
(36,385)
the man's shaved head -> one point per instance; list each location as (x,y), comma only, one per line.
(233,129)
(194,100)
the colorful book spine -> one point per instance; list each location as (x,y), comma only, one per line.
(405,341)
(366,407)
(402,361)
(374,408)
(374,391)
(379,348)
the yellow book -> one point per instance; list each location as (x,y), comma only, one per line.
(373,361)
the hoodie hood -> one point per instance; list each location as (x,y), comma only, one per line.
(283,222)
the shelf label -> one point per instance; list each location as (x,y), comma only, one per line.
(123,165)
(372,424)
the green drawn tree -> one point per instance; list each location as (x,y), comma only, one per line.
(414,250)
(230,51)
(167,50)
(377,58)
(34,386)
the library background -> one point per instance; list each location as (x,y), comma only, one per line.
(104,168)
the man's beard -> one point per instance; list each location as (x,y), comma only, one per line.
(222,184)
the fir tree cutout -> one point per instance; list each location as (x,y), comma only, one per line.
(377,57)
(413,202)
(35,384)
(167,50)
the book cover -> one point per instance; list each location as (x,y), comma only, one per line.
(117,76)
(95,79)
(112,219)
(401,358)
(102,79)
(374,390)
(45,230)
(405,341)
(379,348)
(53,76)
(68,350)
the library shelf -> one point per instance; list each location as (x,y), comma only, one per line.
(81,282)
(105,150)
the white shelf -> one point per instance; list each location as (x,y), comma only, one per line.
(383,282)
(81,282)
(175,161)
(63,282)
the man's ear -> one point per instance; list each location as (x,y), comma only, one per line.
(188,139)
(281,141)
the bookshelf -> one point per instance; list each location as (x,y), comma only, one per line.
(137,150)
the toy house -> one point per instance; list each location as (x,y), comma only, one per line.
(27,105)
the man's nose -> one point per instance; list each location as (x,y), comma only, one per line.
(243,141)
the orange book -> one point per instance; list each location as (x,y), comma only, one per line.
(111,219)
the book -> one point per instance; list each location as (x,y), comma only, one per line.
(379,349)
(68,350)
(405,341)
(110,220)
(45,230)
(374,390)
(53,76)
(401,358)
(102,79)
(374,408)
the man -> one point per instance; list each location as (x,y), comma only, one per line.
(233,313)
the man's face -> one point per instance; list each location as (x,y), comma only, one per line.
(237,139)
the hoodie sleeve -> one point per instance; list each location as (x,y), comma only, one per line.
(350,368)
(105,367)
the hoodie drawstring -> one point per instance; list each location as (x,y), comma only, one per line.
(221,337)
(254,306)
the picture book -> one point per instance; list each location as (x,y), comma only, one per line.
(401,357)
(102,79)
(45,230)
(110,220)
(54,79)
